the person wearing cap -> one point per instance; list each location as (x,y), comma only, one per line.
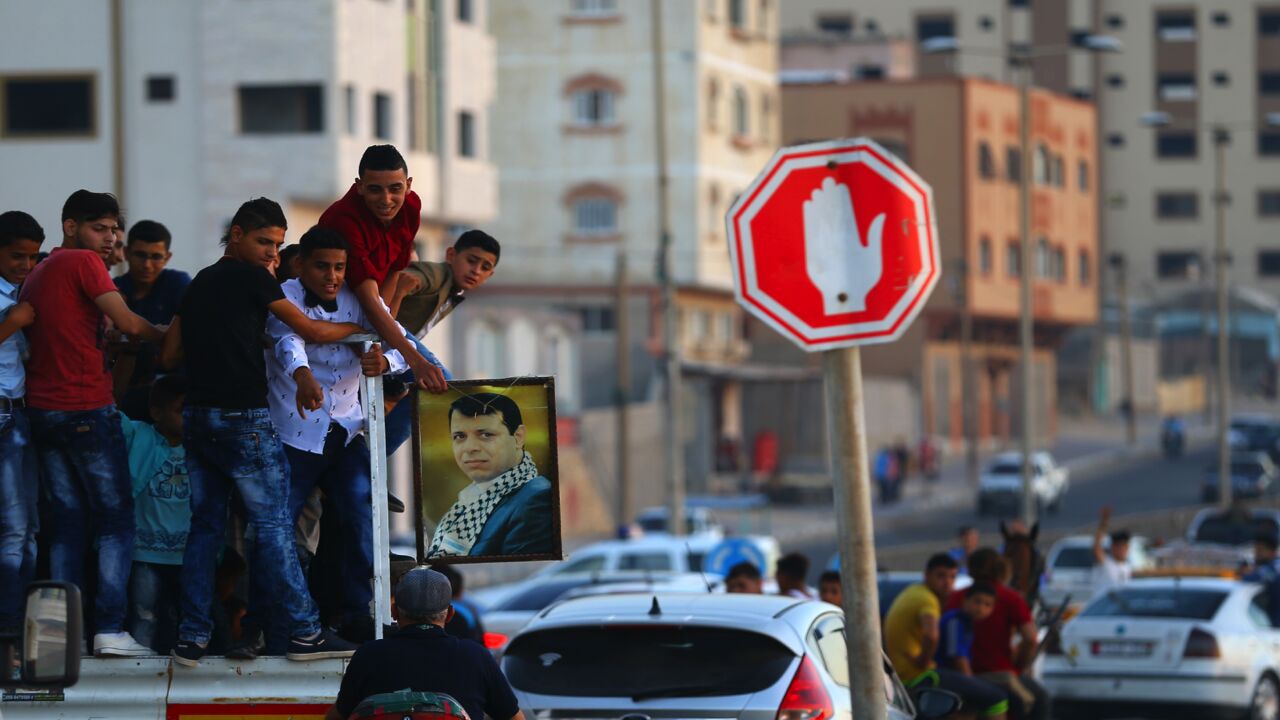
(422,657)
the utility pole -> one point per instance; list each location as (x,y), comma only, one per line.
(1220,140)
(672,436)
(968,386)
(622,394)
(1126,348)
(1026,323)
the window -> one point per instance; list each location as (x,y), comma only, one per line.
(594,107)
(48,106)
(741,112)
(161,88)
(872,27)
(1115,81)
(828,639)
(1269,23)
(1221,78)
(1013,259)
(1221,19)
(1260,609)
(466,134)
(1268,263)
(897,148)
(713,103)
(985,23)
(1176,26)
(1177,206)
(738,14)
(1175,144)
(1269,203)
(644,561)
(595,216)
(1058,265)
(1013,164)
(597,319)
(595,8)
(869,72)
(1041,170)
(984,256)
(726,326)
(1059,171)
(382,116)
(1269,142)
(1176,265)
(836,24)
(1082,176)
(349,107)
(465,11)
(1175,87)
(1044,263)
(931,26)
(1085,270)
(986,161)
(1115,140)
(766,117)
(1115,22)
(270,109)
(1269,83)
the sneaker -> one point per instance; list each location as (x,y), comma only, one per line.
(120,644)
(324,645)
(248,647)
(188,653)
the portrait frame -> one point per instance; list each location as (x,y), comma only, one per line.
(437,478)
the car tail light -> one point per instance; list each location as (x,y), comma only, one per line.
(806,697)
(1201,644)
(495,641)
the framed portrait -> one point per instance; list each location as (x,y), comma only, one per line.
(486,482)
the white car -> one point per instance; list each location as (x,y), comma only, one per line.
(1158,647)
(1069,568)
(1000,487)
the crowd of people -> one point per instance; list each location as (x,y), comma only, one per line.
(190,450)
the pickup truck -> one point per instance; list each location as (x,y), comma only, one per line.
(1000,487)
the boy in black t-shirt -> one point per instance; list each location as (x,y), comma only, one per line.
(228,434)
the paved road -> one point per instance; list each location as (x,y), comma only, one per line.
(1134,486)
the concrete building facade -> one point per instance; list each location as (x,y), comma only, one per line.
(973,163)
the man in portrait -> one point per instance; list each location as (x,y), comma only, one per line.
(507,508)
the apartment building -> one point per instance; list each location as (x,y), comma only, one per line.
(973,162)
(185,110)
(1205,62)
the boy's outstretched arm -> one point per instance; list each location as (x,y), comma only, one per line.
(312,331)
(429,377)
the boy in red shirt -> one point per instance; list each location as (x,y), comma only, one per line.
(73,416)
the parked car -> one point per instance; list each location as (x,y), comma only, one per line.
(1255,433)
(1238,526)
(1069,568)
(1000,487)
(504,619)
(1252,474)
(1160,647)
(697,521)
(725,656)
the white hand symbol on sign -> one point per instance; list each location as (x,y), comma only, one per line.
(837,262)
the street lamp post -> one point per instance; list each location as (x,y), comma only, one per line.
(1220,134)
(1022,58)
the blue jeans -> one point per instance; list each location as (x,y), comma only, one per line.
(342,472)
(400,420)
(86,484)
(153,605)
(239,448)
(18,519)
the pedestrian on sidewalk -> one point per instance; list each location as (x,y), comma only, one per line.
(886,475)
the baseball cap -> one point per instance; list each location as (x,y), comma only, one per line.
(423,592)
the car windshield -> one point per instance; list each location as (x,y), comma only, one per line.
(1230,531)
(1165,602)
(645,661)
(1006,468)
(1074,557)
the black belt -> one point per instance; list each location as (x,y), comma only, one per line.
(11,403)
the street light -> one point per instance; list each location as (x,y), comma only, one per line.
(1221,133)
(1021,57)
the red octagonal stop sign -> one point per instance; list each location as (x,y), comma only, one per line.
(835,244)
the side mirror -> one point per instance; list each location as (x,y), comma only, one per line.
(934,703)
(51,635)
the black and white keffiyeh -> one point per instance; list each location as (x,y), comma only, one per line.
(457,531)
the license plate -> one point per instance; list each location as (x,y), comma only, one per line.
(1122,648)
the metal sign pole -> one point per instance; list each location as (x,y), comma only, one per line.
(847,441)
(376,437)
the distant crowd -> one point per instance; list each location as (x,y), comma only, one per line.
(190,451)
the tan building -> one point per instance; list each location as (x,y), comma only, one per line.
(1203,61)
(961,135)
